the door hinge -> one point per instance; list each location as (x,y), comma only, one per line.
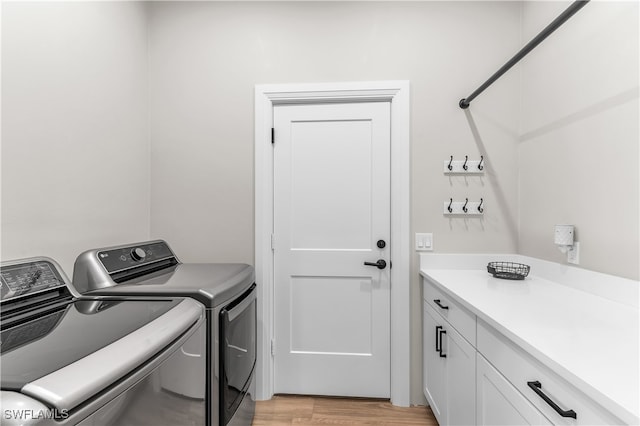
(273,244)
(273,347)
(273,135)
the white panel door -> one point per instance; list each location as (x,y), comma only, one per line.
(331,207)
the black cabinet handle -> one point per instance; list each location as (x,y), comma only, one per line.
(438,327)
(437,302)
(443,331)
(537,388)
(380,264)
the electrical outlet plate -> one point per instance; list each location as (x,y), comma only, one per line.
(573,255)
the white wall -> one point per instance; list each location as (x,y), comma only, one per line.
(76,161)
(76,108)
(75,151)
(578,156)
(206,57)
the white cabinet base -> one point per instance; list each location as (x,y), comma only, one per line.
(485,378)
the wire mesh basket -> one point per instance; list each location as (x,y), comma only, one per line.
(508,270)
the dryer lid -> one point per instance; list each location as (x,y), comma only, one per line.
(211,284)
(151,269)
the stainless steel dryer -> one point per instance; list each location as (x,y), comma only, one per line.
(102,361)
(228,293)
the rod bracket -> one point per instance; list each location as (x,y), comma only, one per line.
(463,103)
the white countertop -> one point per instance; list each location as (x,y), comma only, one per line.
(590,341)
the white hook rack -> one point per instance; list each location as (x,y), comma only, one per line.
(457,208)
(464,167)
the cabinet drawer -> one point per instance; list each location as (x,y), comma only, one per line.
(499,403)
(459,317)
(521,369)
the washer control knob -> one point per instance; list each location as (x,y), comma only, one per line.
(138,254)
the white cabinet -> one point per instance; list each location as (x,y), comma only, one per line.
(499,403)
(474,374)
(449,371)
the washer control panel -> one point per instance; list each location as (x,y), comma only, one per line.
(123,258)
(25,279)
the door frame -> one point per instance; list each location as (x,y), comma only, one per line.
(397,93)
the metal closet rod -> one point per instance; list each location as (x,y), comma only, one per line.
(564,16)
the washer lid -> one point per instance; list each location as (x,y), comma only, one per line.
(75,383)
(50,341)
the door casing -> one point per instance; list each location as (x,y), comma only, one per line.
(397,93)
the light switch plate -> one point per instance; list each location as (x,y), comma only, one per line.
(424,242)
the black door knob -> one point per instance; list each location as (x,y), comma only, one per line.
(381,244)
(380,264)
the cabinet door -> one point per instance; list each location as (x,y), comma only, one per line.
(499,403)
(434,365)
(460,378)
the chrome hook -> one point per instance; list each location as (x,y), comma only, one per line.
(464,208)
(480,166)
(464,166)
(450,167)
(480,209)
(450,203)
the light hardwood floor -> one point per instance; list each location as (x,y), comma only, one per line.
(320,410)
